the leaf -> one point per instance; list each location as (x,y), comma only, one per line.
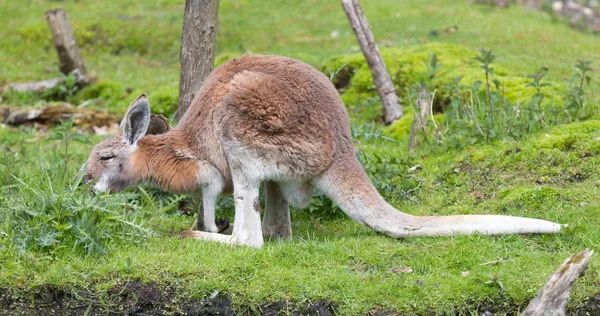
(81,138)
(55,136)
(497,83)
(588,79)
(146,197)
(47,239)
(63,226)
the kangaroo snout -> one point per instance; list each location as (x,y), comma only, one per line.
(85,180)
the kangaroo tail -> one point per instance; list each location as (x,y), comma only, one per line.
(348,185)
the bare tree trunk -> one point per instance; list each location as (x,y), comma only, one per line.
(553,298)
(420,120)
(68,52)
(392,110)
(197,48)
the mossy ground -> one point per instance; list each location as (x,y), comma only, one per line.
(133,47)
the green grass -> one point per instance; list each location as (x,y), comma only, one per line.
(339,260)
(137,45)
(552,175)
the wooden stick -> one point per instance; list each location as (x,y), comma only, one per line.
(392,110)
(553,298)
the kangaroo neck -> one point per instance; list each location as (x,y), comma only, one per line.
(167,161)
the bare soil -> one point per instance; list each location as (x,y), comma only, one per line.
(137,298)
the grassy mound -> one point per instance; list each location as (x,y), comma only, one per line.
(409,66)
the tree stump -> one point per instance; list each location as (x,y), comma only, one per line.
(66,46)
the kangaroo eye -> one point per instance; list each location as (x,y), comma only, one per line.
(106,158)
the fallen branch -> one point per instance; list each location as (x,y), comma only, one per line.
(35,86)
(54,114)
(553,298)
(41,86)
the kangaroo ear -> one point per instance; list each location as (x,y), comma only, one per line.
(136,120)
(158,125)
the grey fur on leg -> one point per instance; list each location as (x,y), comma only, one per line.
(276,220)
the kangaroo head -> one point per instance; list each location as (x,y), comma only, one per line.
(109,162)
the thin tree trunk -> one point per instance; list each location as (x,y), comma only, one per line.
(392,110)
(553,298)
(197,48)
(68,52)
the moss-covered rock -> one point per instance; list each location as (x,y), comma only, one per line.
(408,66)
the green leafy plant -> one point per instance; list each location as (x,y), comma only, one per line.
(43,215)
(496,280)
(480,112)
(333,74)
(575,105)
(64,133)
(65,91)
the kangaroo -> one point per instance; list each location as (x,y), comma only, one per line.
(273,120)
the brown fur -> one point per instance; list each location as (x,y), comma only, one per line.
(167,161)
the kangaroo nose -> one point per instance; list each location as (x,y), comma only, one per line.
(85,180)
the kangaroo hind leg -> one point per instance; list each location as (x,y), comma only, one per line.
(246,225)
(276,220)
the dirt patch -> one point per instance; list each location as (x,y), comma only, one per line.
(321,308)
(591,308)
(137,298)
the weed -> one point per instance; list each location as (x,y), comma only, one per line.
(64,133)
(575,106)
(480,113)
(65,91)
